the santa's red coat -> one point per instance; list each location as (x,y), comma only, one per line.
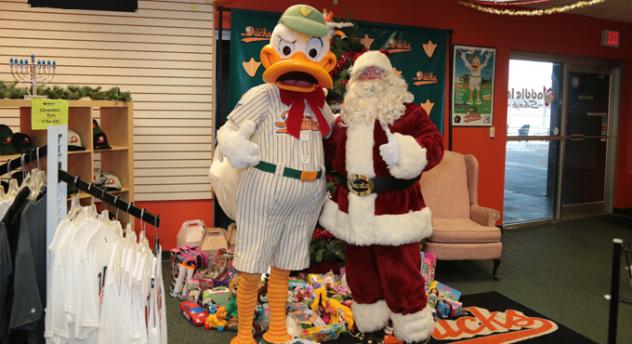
(388,218)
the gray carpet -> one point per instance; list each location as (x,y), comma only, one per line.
(560,270)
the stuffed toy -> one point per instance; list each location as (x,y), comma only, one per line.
(381,144)
(275,136)
(216,319)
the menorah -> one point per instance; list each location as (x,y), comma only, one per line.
(32,72)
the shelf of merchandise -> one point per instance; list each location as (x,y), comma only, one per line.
(116,120)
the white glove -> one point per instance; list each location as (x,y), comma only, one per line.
(237,147)
(390,151)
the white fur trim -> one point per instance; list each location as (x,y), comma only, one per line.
(359,147)
(415,327)
(412,159)
(240,151)
(372,58)
(362,227)
(370,317)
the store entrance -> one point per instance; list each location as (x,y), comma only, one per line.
(584,171)
(533,141)
(560,139)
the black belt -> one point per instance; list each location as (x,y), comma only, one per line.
(363,185)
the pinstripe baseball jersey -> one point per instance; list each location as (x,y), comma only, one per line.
(262,105)
(276,215)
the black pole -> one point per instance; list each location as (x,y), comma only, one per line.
(218,65)
(450,76)
(614,290)
(108,198)
(218,98)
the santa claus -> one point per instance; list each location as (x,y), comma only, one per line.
(382,143)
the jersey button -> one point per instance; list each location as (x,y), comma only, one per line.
(304,136)
(305,159)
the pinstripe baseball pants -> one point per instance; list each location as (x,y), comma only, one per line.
(276,216)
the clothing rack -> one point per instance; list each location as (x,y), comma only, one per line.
(90,188)
(108,198)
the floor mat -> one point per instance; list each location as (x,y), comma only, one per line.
(495,318)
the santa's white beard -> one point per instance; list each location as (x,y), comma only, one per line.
(370,99)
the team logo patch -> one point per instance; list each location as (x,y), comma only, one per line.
(398,46)
(308,124)
(255,34)
(421,78)
(483,326)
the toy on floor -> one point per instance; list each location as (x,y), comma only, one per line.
(231,307)
(193,312)
(216,319)
(330,309)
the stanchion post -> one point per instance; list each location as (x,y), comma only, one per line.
(614,290)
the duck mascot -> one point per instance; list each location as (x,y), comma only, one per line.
(273,142)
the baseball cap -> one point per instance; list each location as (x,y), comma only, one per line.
(22,143)
(305,19)
(6,140)
(100,140)
(107,180)
(74,141)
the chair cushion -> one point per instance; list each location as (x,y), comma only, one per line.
(445,187)
(462,231)
(464,251)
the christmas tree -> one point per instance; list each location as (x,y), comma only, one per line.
(347,46)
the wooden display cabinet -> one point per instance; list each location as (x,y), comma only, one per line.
(116,120)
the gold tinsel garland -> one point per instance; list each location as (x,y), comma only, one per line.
(534,12)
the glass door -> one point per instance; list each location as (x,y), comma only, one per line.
(586,146)
(533,141)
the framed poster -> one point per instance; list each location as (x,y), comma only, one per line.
(473,86)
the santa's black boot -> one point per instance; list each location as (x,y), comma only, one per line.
(375,337)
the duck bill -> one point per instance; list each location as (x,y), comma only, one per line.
(297,73)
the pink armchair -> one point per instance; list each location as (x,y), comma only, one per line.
(462,229)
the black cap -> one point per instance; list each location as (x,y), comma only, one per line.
(6,140)
(100,140)
(22,143)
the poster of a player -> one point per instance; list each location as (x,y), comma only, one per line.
(473,86)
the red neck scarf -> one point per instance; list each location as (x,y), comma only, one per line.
(296,101)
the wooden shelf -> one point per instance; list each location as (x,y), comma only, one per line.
(113,149)
(83,195)
(9,157)
(87,151)
(116,120)
(71,103)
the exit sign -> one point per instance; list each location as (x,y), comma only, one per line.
(610,38)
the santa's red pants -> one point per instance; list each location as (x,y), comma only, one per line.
(385,282)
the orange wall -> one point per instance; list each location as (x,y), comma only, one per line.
(559,34)
(173,214)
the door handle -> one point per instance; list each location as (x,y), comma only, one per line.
(576,137)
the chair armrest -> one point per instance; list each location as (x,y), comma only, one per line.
(484,216)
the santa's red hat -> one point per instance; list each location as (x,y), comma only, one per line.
(371,58)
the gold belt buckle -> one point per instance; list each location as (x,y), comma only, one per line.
(359,184)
